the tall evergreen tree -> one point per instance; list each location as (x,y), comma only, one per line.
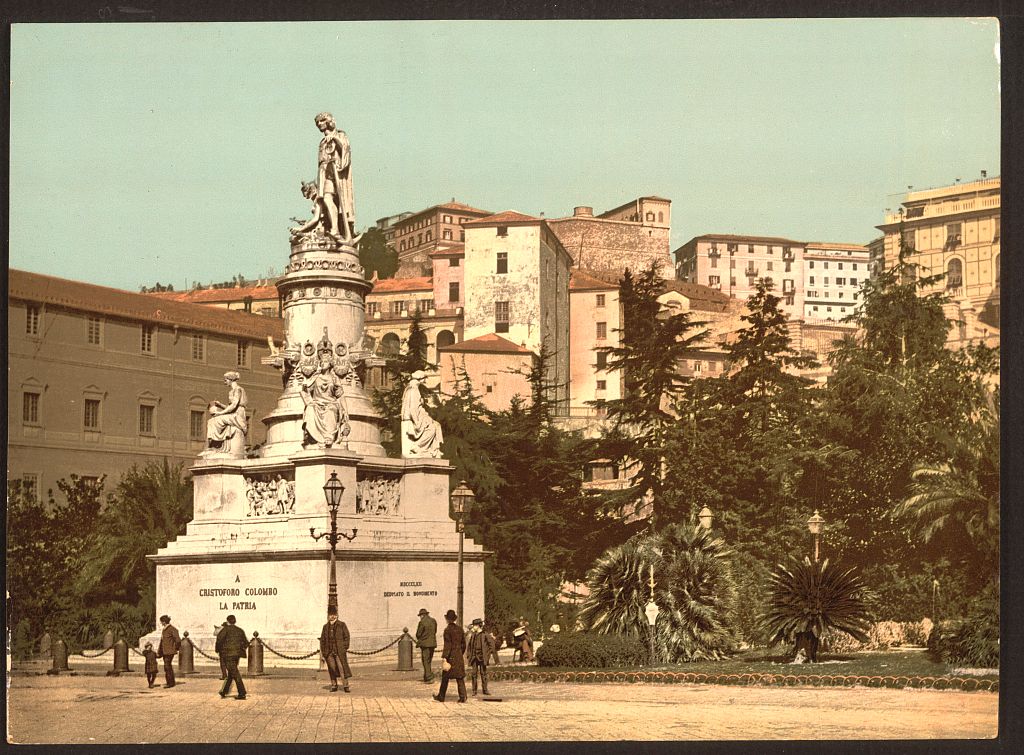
(376,255)
(653,344)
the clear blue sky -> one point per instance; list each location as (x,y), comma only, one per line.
(174,152)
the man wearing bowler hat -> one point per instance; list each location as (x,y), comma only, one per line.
(232,645)
(170,643)
(479,648)
(426,641)
(334,640)
(453,664)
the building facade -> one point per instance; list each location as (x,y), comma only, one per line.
(496,368)
(102,379)
(954,231)
(437,227)
(517,287)
(833,275)
(595,322)
(634,235)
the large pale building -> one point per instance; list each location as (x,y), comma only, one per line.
(952,230)
(415,236)
(832,277)
(517,286)
(101,379)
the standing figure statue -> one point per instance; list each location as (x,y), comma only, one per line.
(421,434)
(228,423)
(334,179)
(324,420)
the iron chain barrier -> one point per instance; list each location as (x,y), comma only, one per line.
(97,655)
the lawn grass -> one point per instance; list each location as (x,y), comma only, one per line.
(907,662)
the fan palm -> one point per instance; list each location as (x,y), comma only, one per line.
(806,599)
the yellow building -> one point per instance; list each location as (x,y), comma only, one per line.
(952,230)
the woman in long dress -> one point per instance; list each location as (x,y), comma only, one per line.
(421,433)
(321,419)
(227,419)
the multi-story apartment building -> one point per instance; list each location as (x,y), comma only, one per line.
(633,235)
(389,225)
(101,379)
(952,230)
(390,308)
(732,264)
(833,275)
(420,233)
(517,286)
(595,321)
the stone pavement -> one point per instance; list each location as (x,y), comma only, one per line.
(386,706)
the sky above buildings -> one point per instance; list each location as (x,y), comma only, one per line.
(174,152)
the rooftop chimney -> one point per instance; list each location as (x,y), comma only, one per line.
(984,174)
(583,212)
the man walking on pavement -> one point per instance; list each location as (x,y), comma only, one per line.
(170,643)
(334,639)
(479,647)
(223,666)
(426,641)
(453,664)
(232,644)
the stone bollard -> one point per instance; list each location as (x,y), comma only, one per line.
(45,645)
(254,665)
(108,640)
(405,651)
(60,657)
(186,656)
(120,658)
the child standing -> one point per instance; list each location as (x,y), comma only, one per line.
(151,665)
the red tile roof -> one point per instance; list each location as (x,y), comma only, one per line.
(455,250)
(581,281)
(113,302)
(398,285)
(217,295)
(508,217)
(491,343)
(743,239)
(701,297)
(828,245)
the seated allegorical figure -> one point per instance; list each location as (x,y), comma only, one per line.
(421,433)
(228,423)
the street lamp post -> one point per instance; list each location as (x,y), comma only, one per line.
(705,517)
(815,524)
(333,491)
(652,612)
(462,499)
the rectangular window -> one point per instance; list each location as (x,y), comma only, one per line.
(826,265)
(197,425)
(854,265)
(430,236)
(601,330)
(810,281)
(396,308)
(840,281)
(602,385)
(826,281)
(501,316)
(447,234)
(810,264)
(372,308)
(600,300)
(771,265)
(502,263)
(462,235)
(771,249)
(750,248)
(30,408)
(602,360)
(32,320)
(453,291)
(995,228)
(446,218)
(503,230)
(787,285)
(146,344)
(732,264)
(714,262)
(91,418)
(30,486)
(732,282)
(714,280)
(952,234)
(454,262)
(853,281)
(146,412)
(198,348)
(840,265)
(732,248)
(242,354)
(697,366)
(94,330)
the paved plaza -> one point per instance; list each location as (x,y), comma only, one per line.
(387,706)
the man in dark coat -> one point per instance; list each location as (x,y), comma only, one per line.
(170,643)
(426,641)
(334,640)
(232,644)
(479,647)
(223,666)
(454,666)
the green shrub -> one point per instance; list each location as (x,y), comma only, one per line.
(590,650)
(973,641)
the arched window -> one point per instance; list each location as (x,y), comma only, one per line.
(954,274)
(445,338)
(390,345)
(661,217)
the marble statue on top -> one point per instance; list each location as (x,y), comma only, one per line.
(421,433)
(228,423)
(325,417)
(333,206)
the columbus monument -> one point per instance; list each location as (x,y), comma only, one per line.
(249,549)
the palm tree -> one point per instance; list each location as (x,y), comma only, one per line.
(694,590)
(807,598)
(149,508)
(963,491)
